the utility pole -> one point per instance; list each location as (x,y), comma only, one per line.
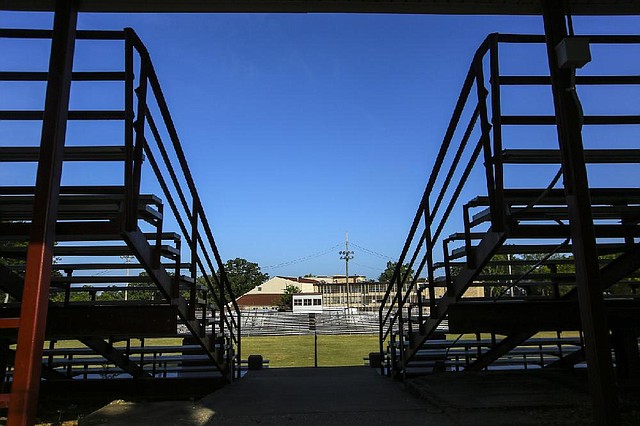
(127,259)
(346,255)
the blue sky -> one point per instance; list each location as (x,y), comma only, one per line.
(302,127)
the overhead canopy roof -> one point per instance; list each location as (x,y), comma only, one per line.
(501,7)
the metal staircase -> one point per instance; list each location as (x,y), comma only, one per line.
(137,289)
(501,274)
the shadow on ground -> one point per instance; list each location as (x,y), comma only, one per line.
(360,396)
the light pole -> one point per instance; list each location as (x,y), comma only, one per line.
(346,255)
(127,259)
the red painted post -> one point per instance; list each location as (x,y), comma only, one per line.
(26,381)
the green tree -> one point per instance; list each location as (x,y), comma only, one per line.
(16,262)
(286,299)
(243,275)
(83,295)
(9,261)
(142,291)
(115,294)
(387,274)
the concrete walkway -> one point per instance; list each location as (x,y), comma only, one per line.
(290,396)
(318,396)
(360,396)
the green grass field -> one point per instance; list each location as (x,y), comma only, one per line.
(286,351)
(298,351)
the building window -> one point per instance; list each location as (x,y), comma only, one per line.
(307,302)
(297,302)
(259,288)
(317,302)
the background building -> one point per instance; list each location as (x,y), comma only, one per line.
(267,295)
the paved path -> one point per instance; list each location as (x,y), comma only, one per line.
(287,396)
(318,396)
(360,396)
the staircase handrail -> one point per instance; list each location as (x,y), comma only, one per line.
(213,270)
(393,313)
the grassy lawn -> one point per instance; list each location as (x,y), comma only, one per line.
(171,341)
(285,351)
(540,335)
(298,351)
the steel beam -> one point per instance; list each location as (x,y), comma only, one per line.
(80,322)
(48,373)
(568,120)
(613,272)
(115,356)
(531,316)
(484,7)
(26,380)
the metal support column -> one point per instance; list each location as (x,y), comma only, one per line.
(26,380)
(568,118)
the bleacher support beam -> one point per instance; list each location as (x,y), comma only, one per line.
(568,119)
(26,381)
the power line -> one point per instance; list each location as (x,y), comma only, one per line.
(302,259)
(368,267)
(374,253)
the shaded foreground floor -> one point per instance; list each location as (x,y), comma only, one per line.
(360,396)
(309,396)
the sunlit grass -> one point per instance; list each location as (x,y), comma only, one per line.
(487,336)
(281,351)
(298,351)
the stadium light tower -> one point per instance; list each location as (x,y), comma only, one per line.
(346,255)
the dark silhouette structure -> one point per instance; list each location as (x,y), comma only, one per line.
(50,213)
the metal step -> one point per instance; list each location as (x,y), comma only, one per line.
(552,156)
(71,153)
(599,196)
(73,115)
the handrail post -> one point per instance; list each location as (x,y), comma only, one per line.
(239,345)
(195,213)
(128,127)
(498,204)
(223,307)
(447,267)
(157,260)
(203,322)
(497,222)
(380,338)
(400,306)
(138,148)
(468,248)
(175,289)
(429,247)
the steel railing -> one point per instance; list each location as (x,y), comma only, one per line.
(144,144)
(474,132)
(425,229)
(179,189)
